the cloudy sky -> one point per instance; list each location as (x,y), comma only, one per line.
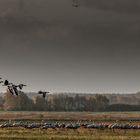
(51,45)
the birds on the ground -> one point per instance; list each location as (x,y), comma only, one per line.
(70,125)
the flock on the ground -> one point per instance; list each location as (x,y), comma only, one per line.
(14,89)
(68,125)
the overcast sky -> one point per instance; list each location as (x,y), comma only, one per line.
(51,45)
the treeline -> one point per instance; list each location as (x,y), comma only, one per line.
(122,107)
(60,102)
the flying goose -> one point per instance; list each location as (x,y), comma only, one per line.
(6,83)
(43,93)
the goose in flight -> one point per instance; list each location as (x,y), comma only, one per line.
(43,93)
(13,89)
(75,3)
(6,83)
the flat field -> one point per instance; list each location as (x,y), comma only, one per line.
(70,134)
(71,116)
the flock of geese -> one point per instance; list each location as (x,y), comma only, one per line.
(14,89)
(69,125)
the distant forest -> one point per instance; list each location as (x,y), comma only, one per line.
(66,102)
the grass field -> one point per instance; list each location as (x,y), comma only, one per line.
(95,116)
(64,134)
(69,134)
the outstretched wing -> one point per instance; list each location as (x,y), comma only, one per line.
(15,90)
(40,92)
(10,90)
(44,94)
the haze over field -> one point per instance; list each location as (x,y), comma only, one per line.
(51,45)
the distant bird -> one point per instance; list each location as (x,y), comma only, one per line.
(13,89)
(6,83)
(75,3)
(43,93)
(9,86)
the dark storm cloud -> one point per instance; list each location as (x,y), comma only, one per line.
(94,47)
(37,20)
(122,6)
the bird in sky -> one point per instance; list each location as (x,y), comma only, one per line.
(13,89)
(43,93)
(6,83)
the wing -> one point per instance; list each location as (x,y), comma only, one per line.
(20,87)
(40,92)
(10,90)
(15,90)
(44,94)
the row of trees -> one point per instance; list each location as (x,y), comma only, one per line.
(59,102)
